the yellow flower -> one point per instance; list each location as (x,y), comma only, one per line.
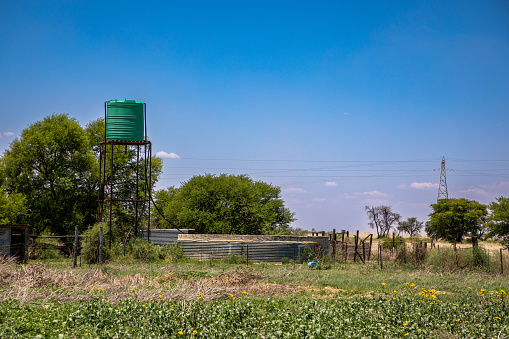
(405,324)
(86,334)
(245,293)
(405,334)
(100,288)
(195,332)
(151,299)
(200,293)
(180,332)
(412,285)
(469,287)
(143,305)
(407,284)
(459,320)
(498,318)
(42,331)
(383,284)
(171,309)
(231,295)
(160,296)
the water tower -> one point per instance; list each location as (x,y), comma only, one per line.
(124,182)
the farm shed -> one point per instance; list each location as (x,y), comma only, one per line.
(14,241)
(258,248)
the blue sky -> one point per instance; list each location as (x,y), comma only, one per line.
(342,104)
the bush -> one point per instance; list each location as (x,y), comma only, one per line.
(387,243)
(452,260)
(308,253)
(233,258)
(414,255)
(90,243)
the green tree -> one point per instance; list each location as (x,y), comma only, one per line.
(499,219)
(227,204)
(12,208)
(451,219)
(52,167)
(411,226)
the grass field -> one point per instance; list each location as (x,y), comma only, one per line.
(214,299)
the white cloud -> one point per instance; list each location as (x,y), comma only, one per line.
(423,185)
(375,194)
(504,185)
(6,135)
(330,184)
(295,190)
(361,195)
(319,199)
(475,192)
(162,154)
(418,186)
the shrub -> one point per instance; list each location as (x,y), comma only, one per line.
(415,254)
(451,260)
(90,241)
(308,253)
(233,258)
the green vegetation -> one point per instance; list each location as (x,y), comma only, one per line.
(452,219)
(411,226)
(49,177)
(499,219)
(226,204)
(221,300)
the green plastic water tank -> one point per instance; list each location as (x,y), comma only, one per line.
(124,120)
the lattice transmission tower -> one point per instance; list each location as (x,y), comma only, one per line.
(442,187)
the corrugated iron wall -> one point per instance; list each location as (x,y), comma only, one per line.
(257,248)
(253,251)
(163,237)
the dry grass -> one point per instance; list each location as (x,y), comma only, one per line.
(38,282)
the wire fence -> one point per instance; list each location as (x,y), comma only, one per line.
(381,252)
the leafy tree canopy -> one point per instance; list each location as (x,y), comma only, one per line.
(227,204)
(12,208)
(51,174)
(51,166)
(499,219)
(451,219)
(410,226)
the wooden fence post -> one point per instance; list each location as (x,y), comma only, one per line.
(75,261)
(501,263)
(356,246)
(101,244)
(370,244)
